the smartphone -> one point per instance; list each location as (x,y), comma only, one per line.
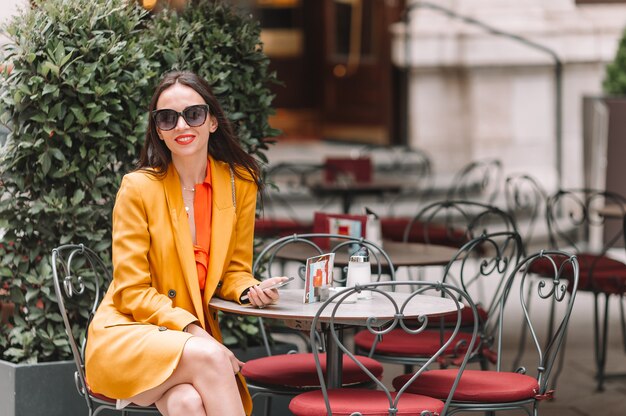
(244,298)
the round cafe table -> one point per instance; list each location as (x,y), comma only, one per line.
(292,309)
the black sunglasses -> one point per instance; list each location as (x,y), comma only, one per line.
(194,115)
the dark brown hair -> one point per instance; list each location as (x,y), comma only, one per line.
(223,144)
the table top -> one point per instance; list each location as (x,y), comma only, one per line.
(401,254)
(291,307)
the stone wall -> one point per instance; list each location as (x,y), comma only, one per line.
(473,94)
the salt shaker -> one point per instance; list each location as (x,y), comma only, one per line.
(359,272)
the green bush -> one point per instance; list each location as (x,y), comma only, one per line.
(76,104)
(615,76)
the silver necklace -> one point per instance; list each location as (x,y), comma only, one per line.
(189,189)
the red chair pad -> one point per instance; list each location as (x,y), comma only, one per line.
(609,275)
(344,402)
(102,397)
(475,386)
(298,370)
(398,342)
(277,227)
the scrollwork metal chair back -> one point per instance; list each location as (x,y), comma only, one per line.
(314,244)
(310,245)
(455,222)
(480,180)
(572,215)
(411,165)
(550,291)
(480,268)
(512,386)
(287,183)
(80,279)
(576,221)
(526,203)
(328,316)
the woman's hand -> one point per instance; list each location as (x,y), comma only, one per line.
(261,297)
(197,331)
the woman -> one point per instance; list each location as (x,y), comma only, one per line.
(183,227)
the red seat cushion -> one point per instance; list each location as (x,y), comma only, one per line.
(344,402)
(608,275)
(393,229)
(398,342)
(277,227)
(102,397)
(298,370)
(475,385)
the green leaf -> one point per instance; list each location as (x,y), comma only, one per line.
(79,195)
(45,162)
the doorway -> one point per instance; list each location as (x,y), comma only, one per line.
(333,58)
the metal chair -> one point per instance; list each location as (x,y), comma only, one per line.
(359,401)
(288,183)
(412,165)
(481,266)
(448,222)
(520,387)
(455,222)
(575,222)
(526,203)
(291,374)
(80,278)
(479,181)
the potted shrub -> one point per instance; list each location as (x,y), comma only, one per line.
(607,113)
(74,103)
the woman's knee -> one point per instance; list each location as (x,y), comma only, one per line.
(182,399)
(202,354)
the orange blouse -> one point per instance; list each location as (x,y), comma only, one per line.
(202,217)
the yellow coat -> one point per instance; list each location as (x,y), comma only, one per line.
(135,339)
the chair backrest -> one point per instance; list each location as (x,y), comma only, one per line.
(413,167)
(455,222)
(329,319)
(480,268)
(288,182)
(80,278)
(575,220)
(394,160)
(480,180)
(550,293)
(296,248)
(526,203)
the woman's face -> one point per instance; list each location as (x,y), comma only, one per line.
(183,140)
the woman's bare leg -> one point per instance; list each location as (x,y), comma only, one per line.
(182,399)
(207,366)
